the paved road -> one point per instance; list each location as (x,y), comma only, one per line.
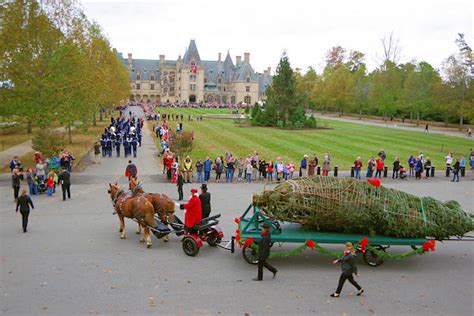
(391,125)
(73,262)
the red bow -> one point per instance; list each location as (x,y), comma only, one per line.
(429,245)
(248,242)
(310,244)
(237,220)
(374,181)
(363,244)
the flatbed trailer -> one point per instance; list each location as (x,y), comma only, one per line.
(282,232)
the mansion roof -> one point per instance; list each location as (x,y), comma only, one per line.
(214,70)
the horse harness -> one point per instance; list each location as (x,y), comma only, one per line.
(126,196)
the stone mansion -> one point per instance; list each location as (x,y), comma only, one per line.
(192,80)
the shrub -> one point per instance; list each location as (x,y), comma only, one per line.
(181,143)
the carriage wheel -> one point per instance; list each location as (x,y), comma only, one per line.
(190,247)
(372,259)
(250,255)
(213,239)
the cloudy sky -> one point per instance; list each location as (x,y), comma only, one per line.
(305,29)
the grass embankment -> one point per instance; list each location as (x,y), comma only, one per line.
(344,141)
(82,142)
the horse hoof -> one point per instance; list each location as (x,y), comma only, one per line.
(138,232)
(148,246)
(122,237)
(142,240)
(120,230)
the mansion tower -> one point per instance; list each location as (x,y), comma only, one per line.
(193,80)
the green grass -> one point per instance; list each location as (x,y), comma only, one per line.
(344,141)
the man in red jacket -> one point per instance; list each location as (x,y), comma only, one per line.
(193,208)
(379,165)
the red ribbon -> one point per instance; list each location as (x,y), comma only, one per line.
(363,244)
(310,244)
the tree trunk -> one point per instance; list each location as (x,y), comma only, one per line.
(69,133)
(100,115)
(461,122)
(417,119)
(94,120)
(29,127)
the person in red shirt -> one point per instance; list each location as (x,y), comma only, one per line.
(193,215)
(379,165)
(357,167)
(50,185)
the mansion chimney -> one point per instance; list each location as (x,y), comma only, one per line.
(129,58)
(269,69)
(247,58)
(162,59)
(238,59)
(219,57)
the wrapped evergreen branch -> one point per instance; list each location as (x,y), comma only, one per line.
(350,206)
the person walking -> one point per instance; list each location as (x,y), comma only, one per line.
(219,167)
(24,202)
(264,253)
(348,269)
(65,180)
(16,179)
(357,167)
(179,184)
(456,168)
(131,171)
(205,198)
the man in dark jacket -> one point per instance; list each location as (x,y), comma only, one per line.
(264,253)
(205,198)
(16,177)
(24,202)
(65,179)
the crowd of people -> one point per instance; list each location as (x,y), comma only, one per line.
(255,168)
(45,175)
(122,131)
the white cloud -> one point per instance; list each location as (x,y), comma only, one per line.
(306,29)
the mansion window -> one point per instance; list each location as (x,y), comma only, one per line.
(247,89)
(219,80)
(137,86)
(138,76)
(248,79)
(232,99)
(165,90)
(171,90)
(247,99)
(152,78)
(152,86)
(224,99)
(192,77)
(192,87)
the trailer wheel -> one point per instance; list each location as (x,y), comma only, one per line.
(250,255)
(190,247)
(372,259)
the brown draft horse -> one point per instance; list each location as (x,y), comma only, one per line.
(137,208)
(162,203)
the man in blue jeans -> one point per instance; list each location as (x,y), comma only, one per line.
(207,168)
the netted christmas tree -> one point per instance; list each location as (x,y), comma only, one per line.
(352,206)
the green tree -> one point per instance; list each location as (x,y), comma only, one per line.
(284,107)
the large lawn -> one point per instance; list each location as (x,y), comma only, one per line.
(344,141)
